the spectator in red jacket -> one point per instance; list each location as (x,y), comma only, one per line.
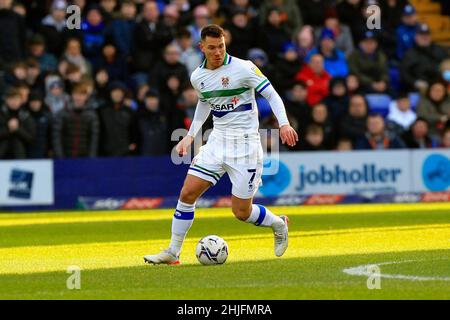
(316,79)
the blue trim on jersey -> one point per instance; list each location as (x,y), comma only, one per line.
(180,215)
(205,173)
(262,89)
(262,215)
(242,107)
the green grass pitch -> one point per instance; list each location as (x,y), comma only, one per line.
(330,248)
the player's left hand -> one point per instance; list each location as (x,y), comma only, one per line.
(288,135)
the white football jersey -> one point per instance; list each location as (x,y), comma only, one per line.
(230,92)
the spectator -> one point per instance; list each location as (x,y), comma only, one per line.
(188,103)
(314,139)
(444,68)
(108,8)
(353,124)
(242,34)
(350,14)
(217,13)
(76,128)
(400,113)
(72,77)
(43,121)
(152,127)
(47,61)
(35,78)
(369,64)
(316,78)
(56,99)
(94,34)
(305,41)
(418,137)
(320,116)
(201,19)
(445,138)
(73,54)
(170,18)
(391,13)
(54,28)
(17,128)
(314,11)
(377,137)
(150,36)
(289,14)
(435,107)
(273,36)
(189,56)
(286,68)
(342,34)
(338,99)
(406,31)
(117,136)
(17,75)
(421,63)
(353,84)
(101,85)
(335,63)
(169,66)
(113,62)
(12,38)
(296,105)
(261,60)
(344,144)
(122,27)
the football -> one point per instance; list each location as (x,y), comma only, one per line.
(212,250)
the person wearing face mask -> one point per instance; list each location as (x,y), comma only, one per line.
(445,72)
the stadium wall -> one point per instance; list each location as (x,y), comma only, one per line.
(297,178)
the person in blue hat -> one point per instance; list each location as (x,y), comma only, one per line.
(334,59)
(406,31)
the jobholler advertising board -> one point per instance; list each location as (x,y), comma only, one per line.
(26,183)
(365,172)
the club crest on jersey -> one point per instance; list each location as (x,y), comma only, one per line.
(225,82)
(202,85)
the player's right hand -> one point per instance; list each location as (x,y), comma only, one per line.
(183,145)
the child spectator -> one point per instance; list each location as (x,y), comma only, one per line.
(445,138)
(314,139)
(152,127)
(56,99)
(43,121)
(400,113)
(117,124)
(17,128)
(286,68)
(344,144)
(338,99)
(296,104)
(37,50)
(189,56)
(319,116)
(76,128)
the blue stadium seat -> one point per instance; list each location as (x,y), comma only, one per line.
(379,103)
(263,107)
(414,98)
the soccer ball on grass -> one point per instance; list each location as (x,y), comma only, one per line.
(211,250)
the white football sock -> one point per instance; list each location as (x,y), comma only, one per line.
(263,217)
(181,222)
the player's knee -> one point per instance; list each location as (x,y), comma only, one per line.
(241,213)
(188,195)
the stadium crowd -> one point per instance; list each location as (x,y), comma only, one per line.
(119,85)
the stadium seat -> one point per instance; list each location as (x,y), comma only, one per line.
(414,98)
(379,103)
(263,107)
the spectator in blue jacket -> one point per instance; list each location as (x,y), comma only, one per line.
(335,62)
(406,31)
(122,28)
(94,34)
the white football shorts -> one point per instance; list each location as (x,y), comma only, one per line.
(239,155)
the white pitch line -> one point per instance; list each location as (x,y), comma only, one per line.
(362,270)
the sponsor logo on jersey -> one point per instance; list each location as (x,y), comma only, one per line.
(222,107)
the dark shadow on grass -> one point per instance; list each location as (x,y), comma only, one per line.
(296,278)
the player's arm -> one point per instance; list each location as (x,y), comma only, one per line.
(201,114)
(262,85)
